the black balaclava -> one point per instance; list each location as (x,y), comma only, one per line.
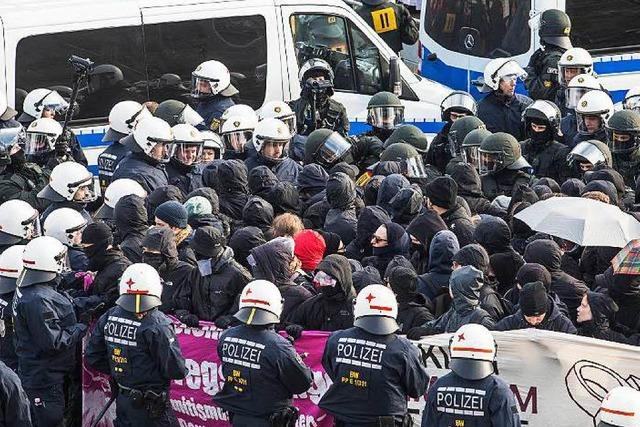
(98,237)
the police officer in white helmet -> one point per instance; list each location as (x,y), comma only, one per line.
(66,225)
(71,185)
(212,89)
(620,408)
(471,394)
(136,345)
(271,139)
(363,362)
(10,269)
(19,223)
(262,370)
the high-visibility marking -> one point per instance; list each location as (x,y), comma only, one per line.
(384,20)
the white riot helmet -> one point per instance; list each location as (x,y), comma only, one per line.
(237,131)
(187,145)
(459,102)
(69,181)
(39,100)
(43,259)
(274,132)
(501,69)
(211,78)
(116,191)
(66,225)
(594,103)
(578,86)
(376,310)
(10,268)
(140,288)
(242,110)
(123,118)
(147,134)
(473,352)
(575,58)
(212,142)
(279,110)
(18,221)
(620,408)
(260,304)
(41,136)
(632,99)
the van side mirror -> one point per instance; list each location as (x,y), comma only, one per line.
(395,79)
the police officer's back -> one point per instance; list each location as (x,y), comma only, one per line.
(471,394)
(261,369)
(373,370)
(136,345)
(542,72)
(392,22)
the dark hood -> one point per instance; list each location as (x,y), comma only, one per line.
(161,195)
(210,174)
(443,247)
(284,198)
(493,234)
(406,205)
(608,174)
(398,242)
(209,194)
(331,241)
(258,213)
(544,252)
(572,187)
(161,239)
(522,193)
(261,180)
(232,177)
(468,180)
(425,226)
(369,275)
(549,182)
(371,217)
(312,179)
(315,216)
(130,216)
(209,220)
(387,167)
(602,306)
(243,241)
(371,190)
(465,284)
(533,272)
(341,191)
(338,267)
(389,187)
(273,261)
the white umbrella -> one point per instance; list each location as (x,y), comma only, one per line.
(585,222)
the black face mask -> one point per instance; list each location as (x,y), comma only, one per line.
(330,291)
(154,260)
(95,250)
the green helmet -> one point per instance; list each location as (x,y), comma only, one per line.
(590,154)
(175,112)
(385,110)
(325,147)
(500,151)
(555,28)
(623,131)
(471,144)
(408,157)
(411,135)
(459,130)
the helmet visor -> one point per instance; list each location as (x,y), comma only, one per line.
(32,228)
(510,70)
(201,88)
(459,102)
(12,136)
(454,144)
(162,150)
(415,167)
(621,142)
(235,141)
(334,147)
(568,72)
(86,191)
(37,143)
(471,155)
(586,153)
(290,121)
(187,153)
(52,102)
(573,95)
(489,162)
(385,117)
(190,117)
(632,103)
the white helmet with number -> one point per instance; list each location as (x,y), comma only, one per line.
(40,99)
(211,78)
(576,57)
(123,118)
(140,288)
(260,303)
(18,221)
(279,110)
(187,145)
(66,225)
(212,141)
(578,86)
(41,136)
(11,266)
(148,133)
(632,99)
(620,408)
(66,180)
(473,352)
(594,103)
(116,191)
(271,131)
(237,131)
(376,310)
(43,259)
(501,68)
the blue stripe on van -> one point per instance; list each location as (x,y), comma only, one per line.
(88,140)
(623,66)
(357,128)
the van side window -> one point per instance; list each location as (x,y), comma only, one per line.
(341,44)
(174,50)
(119,72)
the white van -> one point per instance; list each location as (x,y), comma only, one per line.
(147,49)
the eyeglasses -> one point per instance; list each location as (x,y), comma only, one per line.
(377,239)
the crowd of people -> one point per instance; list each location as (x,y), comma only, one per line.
(278,220)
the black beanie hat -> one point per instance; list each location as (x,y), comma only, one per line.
(442,192)
(533,272)
(208,241)
(533,299)
(173,213)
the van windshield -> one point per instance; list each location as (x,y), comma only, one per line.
(484,28)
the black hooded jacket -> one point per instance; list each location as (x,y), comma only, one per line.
(458,221)
(625,291)
(258,213)
(311,182)
(341,196)
(603,325)
(470,189)
(370,218)
(261,180)
(423,228)
(406,205)
(130,216)
(553,321)
(398,243)
(332,308)
(108,266)
(442,248)
(232,188)
(389,187)
(243,241)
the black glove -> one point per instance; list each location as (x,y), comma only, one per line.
(113,384)
(189,319)
(223,322)
(418,332)
(294,331)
